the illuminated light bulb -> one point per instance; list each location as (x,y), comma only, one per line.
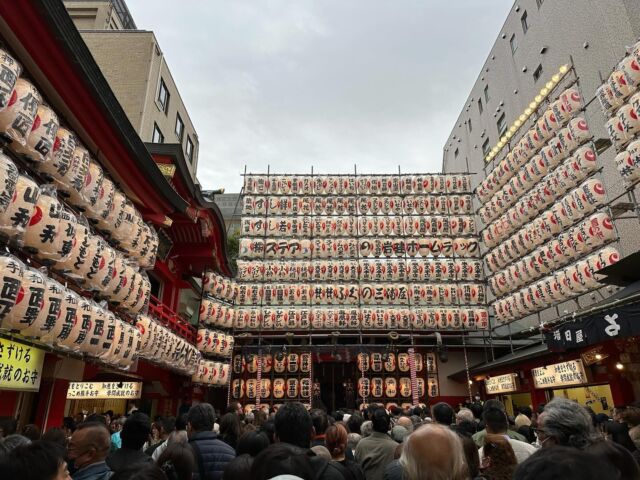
(619,366)
(518,122)
(564,69)
(598,356)
(555,78)
(512,128)
(538,98)
(545,91)
(504,139)
(549,85)
(532,105)
(522,117)
(527,111)
(470,382)
(509,134)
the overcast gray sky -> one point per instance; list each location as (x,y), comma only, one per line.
(324,83)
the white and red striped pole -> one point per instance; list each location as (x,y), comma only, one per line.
(414,382)
(259,380)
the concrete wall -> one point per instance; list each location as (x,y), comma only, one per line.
(93,15)
(589,34)
(451,388)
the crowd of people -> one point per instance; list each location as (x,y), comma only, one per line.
(561,440)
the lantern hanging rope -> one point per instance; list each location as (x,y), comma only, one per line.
(466,368)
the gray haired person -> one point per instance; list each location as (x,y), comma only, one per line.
(565,422)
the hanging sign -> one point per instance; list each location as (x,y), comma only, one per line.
(104,390)
(20,366)
(501,384)
(559,374)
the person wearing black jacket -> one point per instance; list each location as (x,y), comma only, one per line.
(211,453)
(294,426)
(135,432)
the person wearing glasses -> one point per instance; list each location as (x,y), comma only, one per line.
(88,449)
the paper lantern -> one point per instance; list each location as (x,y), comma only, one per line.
(23,296)
(292,387)
(111,219)
(44,226)
(16,217)
(405,387)
(17,119)
(8,181)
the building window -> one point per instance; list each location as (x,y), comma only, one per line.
(502,125)
(486,93)
(514,44)
(525,24)
(480,105)
(157,137)
(189,149)
(455,154)
(537,73)
(469,125)
(163,96)
(539,3)
(179,127)
(486,147)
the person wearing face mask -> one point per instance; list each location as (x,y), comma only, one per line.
(88,449)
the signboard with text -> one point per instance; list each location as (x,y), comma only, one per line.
(20,366)
(559,375)
(501,384)
(104,390)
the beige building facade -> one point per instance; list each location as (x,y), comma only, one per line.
(135,67)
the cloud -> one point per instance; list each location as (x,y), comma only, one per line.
(329,84)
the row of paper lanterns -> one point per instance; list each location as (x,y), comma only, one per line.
(280,363)
(562,214)
(622,83)
(367,318)
(352,185)
(388,387)
(436,270)
(58,155)
(352,226)
(557,183)
(161,346)
(377,362)
(423,269)
(423,204)
(541,169)
(213,342)
(574,280)
(624,126)
(219,286)
(567,105)
(590,234)
(210,372)
(389,247)
(352,294)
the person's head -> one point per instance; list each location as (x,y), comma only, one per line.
(354,423)
(230,427)
(399,433)
(89,444)
(234,407)
(464,415)
(433,451)
(499,458)
(177,461)
(166,425)
(293,425)
(493,403)
(443,413)
(336,440)
(32,432)
(618,457)
(269,429)
(135,431)
(526,411)
(495,421)
(145,471)
(239,468)
(13,441)
(352,440)
(68,426)
(201,418)
(619,433)
(522,421)
(466,428)
(366,428)
(380,421)
(252,443)
(178,436)
(562,462)
(96,417)
(319,420)
(181,422)
(36,461)
(471,455)
(631,416)
(321,451)
(282,459)
(564,422)
(55,435)
(8,426)
(528,433)
(405,422)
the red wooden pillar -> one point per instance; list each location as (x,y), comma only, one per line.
(8,400)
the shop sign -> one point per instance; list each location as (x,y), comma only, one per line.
(611,324)
(20,366)
(501,384)
(559,375)
(104,390)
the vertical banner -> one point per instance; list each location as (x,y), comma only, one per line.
(412,371)
(259,380)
